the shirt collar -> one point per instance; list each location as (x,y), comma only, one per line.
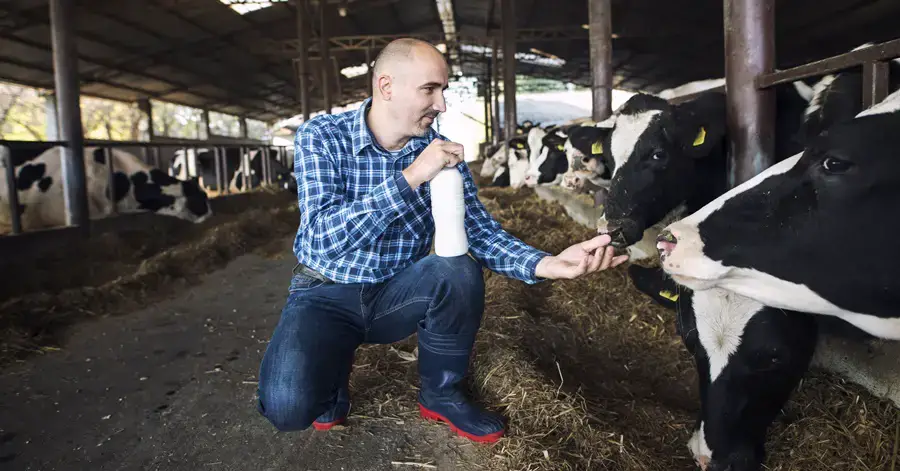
(362,135)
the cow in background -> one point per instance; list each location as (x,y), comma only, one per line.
(137,187)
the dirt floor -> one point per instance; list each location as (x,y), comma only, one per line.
(150,363)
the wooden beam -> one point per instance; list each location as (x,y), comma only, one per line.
(507,8)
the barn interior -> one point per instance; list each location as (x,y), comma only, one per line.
(133,342)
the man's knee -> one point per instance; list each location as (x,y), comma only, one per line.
(288,411)
(461,274)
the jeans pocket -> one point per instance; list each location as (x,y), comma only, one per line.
(302,282)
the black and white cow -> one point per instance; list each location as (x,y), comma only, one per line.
(668,159)
(838,97)
(517,166)
(791,237)
(749,359)
(137,187)
(515,150)
(551,162)
(588,168)
(202,163)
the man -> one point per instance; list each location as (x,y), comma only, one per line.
(364,273)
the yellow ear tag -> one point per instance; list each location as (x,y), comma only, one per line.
(597,148)
(560,147)
(668,295)
(701,137)
(519,145)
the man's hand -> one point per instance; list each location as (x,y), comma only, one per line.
(580,259)
(428,164)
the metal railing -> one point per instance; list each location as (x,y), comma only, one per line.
(150,154)
(873,59)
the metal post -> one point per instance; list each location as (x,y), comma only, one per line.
(509,67)
(875,82)
(302,62)
(265,165)
(749,51)
(52,124)
(495,74)
(206,120)
(65,75)
(242,122)
(217,163)
(487,99)
(337,80)
(146,108)
(369,71)
(325,54)
(156,157)
(245,166)
(600,19)
(110,179)
(13,193)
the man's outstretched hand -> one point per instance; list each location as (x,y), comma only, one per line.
(580,259)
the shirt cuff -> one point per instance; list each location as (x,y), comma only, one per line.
(395,195)
(527,263)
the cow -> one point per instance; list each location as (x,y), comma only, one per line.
(137,187)
(201,162)
(550,163)
(790,236)
(749,359)
(588,168)
(838,97)
(518,164)
(253,166)
(668,159)
(515,150)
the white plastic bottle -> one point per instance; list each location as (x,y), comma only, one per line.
(449,211)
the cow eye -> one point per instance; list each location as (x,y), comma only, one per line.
(658,156)
(835,166)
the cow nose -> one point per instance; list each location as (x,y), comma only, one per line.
(665,243)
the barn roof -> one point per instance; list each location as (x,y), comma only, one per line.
(203,53)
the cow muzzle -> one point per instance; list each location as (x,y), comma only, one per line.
(665,243)
(624,232)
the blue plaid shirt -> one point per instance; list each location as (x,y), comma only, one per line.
(361,222)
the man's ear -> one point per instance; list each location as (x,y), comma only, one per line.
(384,85)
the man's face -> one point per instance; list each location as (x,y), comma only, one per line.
(417,92)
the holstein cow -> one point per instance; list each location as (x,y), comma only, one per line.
(136,187)
(671,159)
(838,97)
(515,150)
(550,163)
(253,166)
(790,237)
(202,164)
(588,168)
(749,358)
(666,158)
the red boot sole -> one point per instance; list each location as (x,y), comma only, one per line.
(328,425)
(428,414)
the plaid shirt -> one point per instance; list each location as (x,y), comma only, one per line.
(361,222)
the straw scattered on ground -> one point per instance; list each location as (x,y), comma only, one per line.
(590,372)
(114,273)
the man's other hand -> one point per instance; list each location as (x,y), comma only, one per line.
(438,155)
(580,259)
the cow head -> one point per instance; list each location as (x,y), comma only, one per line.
(524,149)
(584,150)
(550,163)
(791,237)
(656,150)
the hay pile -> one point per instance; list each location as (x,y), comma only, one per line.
(593,376)
(118,272)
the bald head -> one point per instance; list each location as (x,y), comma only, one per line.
(408,83)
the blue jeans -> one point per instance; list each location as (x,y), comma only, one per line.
(311,351)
